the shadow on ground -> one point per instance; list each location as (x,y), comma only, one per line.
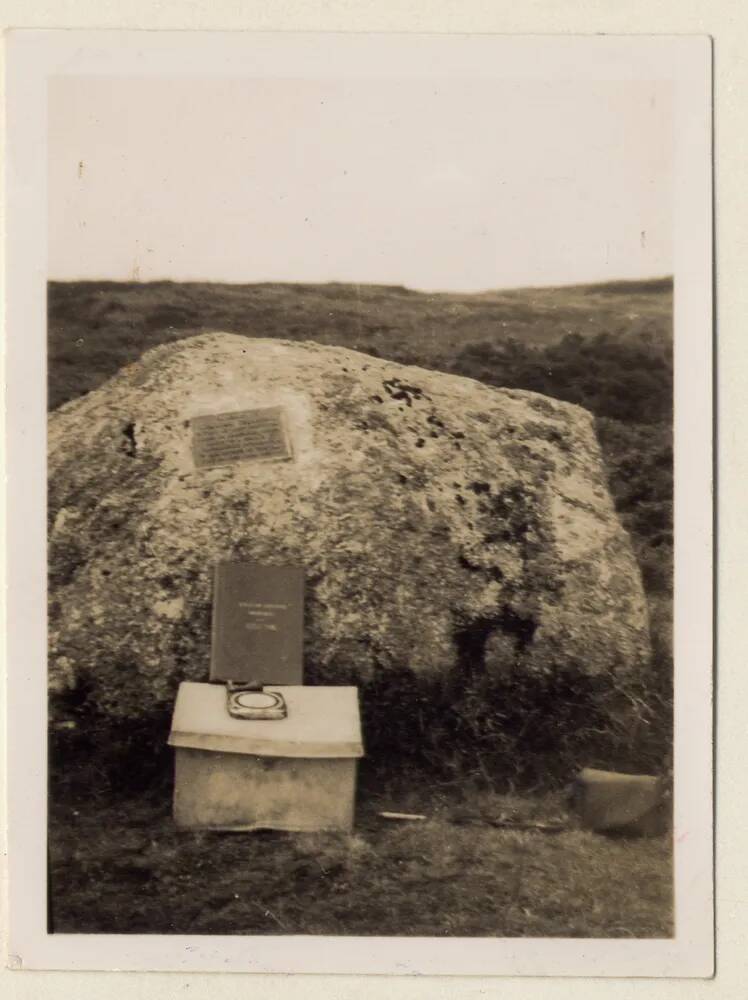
(119,866)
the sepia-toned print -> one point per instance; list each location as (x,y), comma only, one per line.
(360,505)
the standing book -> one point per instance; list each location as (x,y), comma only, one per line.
(258,622)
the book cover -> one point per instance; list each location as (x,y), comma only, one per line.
(258,620)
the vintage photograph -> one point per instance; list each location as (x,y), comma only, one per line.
(360,505)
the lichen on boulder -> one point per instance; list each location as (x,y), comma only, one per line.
(444,526)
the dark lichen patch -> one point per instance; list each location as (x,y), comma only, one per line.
(542,405)
(399,390)
(480,416)
(65,560)
(375,420)
(129,444)
(418,478)
(240,505)
(548,432)
(468,564)
(491,569)
(523,454)
(505,503)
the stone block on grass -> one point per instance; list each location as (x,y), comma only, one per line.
(609,802)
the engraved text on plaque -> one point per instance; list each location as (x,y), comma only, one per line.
(222,438)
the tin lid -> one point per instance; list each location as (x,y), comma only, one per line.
(321,722)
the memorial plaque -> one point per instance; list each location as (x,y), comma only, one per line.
(258,614)
(238,436)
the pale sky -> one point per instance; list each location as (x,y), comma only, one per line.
(434,184)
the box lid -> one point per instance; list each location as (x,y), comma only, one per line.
(321,722)
(258,622)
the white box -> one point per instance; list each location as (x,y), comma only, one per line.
(297,773)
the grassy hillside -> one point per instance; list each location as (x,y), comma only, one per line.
(96,327)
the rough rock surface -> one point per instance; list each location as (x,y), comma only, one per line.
(445,526)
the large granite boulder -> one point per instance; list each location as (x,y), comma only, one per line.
(444,526)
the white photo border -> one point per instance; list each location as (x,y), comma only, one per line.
(33,57)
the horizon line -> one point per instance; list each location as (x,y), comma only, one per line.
(644,279)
